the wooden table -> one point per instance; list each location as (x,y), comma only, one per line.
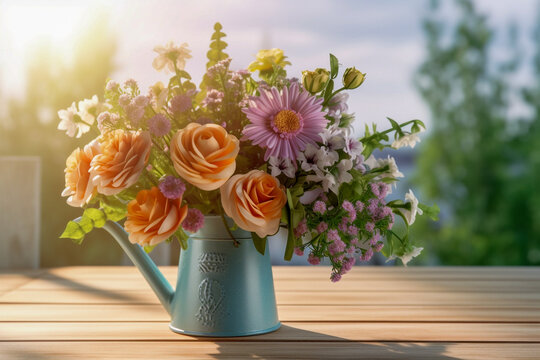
(374,313)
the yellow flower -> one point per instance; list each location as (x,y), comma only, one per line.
(314,81)
(353,78)
(267,58)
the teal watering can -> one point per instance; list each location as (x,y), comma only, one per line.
(222,290)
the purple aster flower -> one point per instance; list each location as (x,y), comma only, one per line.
(352,230)
(378,247)
(194,220)
(159,125)
(298,251)
(172,187)
(284,122)
(319,207)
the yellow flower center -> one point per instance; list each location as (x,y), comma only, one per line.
(286,121)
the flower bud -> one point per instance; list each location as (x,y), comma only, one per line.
(353,78)
(314,81)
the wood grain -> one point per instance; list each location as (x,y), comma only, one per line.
(94,350)
(376,313)
(290,331)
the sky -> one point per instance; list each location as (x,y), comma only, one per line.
(381,38)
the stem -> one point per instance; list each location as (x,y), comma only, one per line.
(387,131)
(236,243)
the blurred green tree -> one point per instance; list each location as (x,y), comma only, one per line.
(467,163)
(52,83)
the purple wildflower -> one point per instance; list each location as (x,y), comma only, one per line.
(159,125)
(378,247)
(321,227)
(370,226)
(359,206)
(194,220)
(172,187)
(299,251)
(313,260)
(181,103)
(352,230)
(348,206)
(335,277)
(319,207)
(301,229)
(333,235)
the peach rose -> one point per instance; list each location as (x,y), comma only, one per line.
(79,186)
(204,155)
(254,201)
(124,155)
(152,218)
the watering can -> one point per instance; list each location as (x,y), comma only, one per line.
(221,290)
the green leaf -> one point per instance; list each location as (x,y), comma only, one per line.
(98,217)
(182,238)
(334,66)
(431,211)
(260,243)
(289,249)
(148,248)
(73,231)
(328,91)
(86,224)
(184,74)
(114,209)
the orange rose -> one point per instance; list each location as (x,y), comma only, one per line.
(123,157)
(254,201)
(152,218)
(79,186)
(204,155)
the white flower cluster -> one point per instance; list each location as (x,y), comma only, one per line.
(77,122)
(323,162)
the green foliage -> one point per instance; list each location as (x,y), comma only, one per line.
(466,162)
(217,46)
(259,243)
(91,218)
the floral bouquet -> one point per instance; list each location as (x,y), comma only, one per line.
(268,151)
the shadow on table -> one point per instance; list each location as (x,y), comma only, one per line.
(292,343)
(81,287)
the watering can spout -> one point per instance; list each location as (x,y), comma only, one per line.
(144,263)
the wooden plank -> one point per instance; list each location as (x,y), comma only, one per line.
(138,283)
(357,297)
(322,273)
(12,281)
(402,313)
(262,350)
(295,331)
(20,211)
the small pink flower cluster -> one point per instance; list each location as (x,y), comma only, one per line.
(349,232)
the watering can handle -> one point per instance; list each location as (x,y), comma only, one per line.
(144,263)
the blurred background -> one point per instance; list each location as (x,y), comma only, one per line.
(469,69)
